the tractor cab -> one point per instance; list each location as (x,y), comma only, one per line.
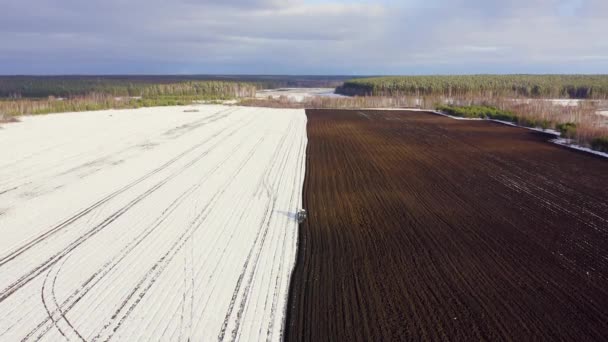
(301,216)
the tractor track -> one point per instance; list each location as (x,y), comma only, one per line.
(107,221)
(82,291)
(156,255)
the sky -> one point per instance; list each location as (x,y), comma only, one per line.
(313,37)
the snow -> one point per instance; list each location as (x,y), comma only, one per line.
(568,143)
(297,94)
(149,224)
(555,102)
(454,117)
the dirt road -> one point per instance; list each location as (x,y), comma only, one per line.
(426,228)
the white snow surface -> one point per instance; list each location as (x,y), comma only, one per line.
(297,94)
(149,224)
(568,143)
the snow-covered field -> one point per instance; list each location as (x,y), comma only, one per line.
(149,224)
(297,94)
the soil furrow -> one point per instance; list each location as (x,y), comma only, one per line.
(426,228)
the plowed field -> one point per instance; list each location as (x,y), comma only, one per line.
(426,228)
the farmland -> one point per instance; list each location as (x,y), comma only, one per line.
(149,224)
(179,223)
(426,228)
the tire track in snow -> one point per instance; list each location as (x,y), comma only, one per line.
(55,302)
(256,249)
(278,166)
(155,271)
(78,294)
(181,285)
(275,293)
(67,222)
(173,133)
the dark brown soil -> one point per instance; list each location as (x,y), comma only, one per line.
(426,228)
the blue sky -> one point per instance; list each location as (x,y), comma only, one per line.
(303,36)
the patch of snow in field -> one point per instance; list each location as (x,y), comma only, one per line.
(297,94)
(508,123)
(568,143)
(454,117)
(565,102)
(556,102)
(149,224)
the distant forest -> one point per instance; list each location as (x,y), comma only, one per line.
(531,86)
(150,86)
(52,94)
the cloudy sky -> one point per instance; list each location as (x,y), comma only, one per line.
(362,37)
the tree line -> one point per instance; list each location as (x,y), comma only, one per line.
(531,86)
(69,87)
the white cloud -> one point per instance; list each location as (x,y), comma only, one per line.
(273,36)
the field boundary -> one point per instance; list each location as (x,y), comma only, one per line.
(287,314)
(557,135)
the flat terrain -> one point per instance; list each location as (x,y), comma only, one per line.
(296,94)
(426,228)
(150,224)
